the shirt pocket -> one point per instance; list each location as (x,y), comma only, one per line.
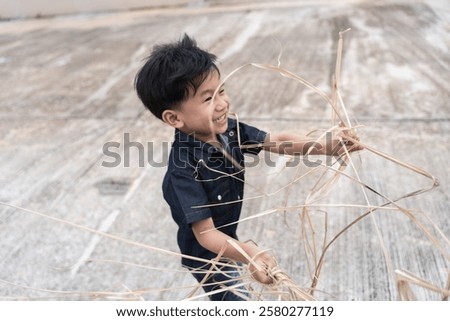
(219,195)
(219,190)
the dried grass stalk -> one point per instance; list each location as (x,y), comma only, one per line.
(405,279)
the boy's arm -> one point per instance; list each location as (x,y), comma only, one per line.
(215,240)
(293,144)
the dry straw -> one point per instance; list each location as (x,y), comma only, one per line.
(283,286)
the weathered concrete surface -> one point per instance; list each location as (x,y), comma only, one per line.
(14,9)
(67,89)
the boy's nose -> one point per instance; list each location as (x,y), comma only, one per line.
(221,103)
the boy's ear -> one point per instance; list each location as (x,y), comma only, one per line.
(171,118)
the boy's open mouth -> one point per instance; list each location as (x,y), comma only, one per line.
(220,119)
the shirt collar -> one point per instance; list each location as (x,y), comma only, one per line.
(199,148)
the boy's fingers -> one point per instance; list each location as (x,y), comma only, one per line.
(264,278)
(261,276)
(260,270)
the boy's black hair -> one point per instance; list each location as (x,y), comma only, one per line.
(171,72)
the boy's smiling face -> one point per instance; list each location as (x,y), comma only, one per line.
(201,115)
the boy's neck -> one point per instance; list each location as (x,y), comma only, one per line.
(212,139)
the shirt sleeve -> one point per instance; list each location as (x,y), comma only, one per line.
(251,135)
(186,195)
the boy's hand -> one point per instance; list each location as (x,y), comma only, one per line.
(265,262)
(349,138)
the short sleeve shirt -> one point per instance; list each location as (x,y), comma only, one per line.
(203,182)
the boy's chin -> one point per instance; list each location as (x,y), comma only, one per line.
(221,129)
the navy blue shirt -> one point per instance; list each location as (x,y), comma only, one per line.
(200,179)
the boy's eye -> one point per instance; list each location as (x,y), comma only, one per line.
(221,91)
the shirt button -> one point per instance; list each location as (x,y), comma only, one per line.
(231,133)
(239,197)
(219,197)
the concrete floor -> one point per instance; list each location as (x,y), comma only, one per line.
(67,89)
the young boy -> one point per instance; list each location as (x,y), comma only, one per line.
(204,183)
